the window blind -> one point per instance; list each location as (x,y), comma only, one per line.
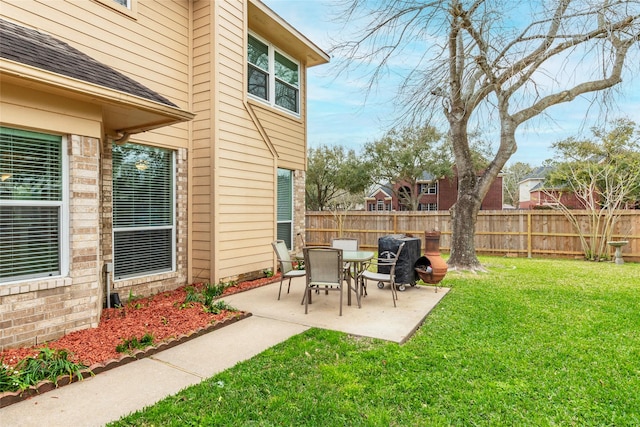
(143,210)
(30,165)
(30,242)
(285,206)
(31,197)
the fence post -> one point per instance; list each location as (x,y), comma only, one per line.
(529,235)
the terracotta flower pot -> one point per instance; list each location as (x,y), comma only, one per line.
(431,267)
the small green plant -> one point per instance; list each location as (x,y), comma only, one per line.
(8,380)
(133,343)
(192,295)
(208,297)
(131,301)
(48,364)
(218,307)
(211,292)
(268,273)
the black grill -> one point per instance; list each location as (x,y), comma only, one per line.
(405,267)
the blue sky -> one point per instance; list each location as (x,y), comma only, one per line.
(341,114)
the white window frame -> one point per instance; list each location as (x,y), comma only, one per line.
(271,77)
(429,188)
(172,227)
(130,8)
(63,217)
(428,207)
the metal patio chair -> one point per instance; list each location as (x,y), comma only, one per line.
(285,264)
(383,278)
(324,269)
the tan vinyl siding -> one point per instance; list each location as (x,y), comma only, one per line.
(40,111)
(246,178)
(151,49)
(287,135)
(202,189)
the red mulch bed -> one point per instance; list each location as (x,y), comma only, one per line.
(160,315)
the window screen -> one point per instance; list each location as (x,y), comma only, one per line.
(286,82)
(258,78)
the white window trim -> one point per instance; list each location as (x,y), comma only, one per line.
(271,102)
(429,188)
(130,10)
(64,212)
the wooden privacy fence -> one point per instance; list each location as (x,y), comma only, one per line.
(530,233)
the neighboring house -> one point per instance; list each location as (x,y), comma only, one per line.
(380,199)
(528,183)
(545,197)
(435,195)
(143,144)
(534,195)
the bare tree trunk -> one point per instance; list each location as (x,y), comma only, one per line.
(464,212)
(463,222)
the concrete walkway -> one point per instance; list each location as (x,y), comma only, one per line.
(125,389)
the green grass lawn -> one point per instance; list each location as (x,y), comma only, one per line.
(532,342)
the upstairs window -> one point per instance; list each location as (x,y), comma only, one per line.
(431,188)
(272,76)
(126,7)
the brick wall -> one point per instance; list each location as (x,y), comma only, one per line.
(493,199)
(299,207)
(35,311)
(447,193)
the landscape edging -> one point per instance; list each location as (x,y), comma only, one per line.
(11,397)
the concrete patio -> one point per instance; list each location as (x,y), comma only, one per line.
(377,318)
